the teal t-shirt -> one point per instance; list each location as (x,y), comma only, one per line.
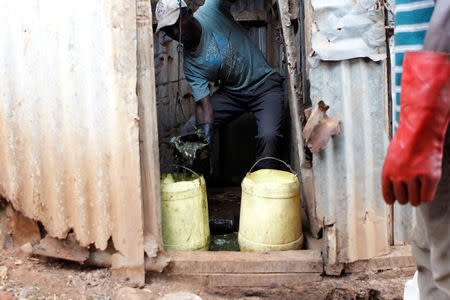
(225,53)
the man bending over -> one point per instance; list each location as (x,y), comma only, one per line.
(216,48)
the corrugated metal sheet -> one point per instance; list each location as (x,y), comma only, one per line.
(69,147)
(347,29)
(347,173)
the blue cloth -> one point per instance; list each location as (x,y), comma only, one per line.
(411,23)
(225,53)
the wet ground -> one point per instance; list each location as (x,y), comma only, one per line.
(224,208)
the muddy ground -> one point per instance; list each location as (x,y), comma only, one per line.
(43,278)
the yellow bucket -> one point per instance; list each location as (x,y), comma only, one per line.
(270,217)
(184,209)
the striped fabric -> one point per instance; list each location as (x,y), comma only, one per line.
(411,24)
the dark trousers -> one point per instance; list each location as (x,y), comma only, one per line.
(267,105)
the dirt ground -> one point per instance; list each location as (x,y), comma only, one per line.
(43,278)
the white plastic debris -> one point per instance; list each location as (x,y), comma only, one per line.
(180,296)
(412,289)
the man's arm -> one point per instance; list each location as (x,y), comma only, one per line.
(200,90)
(412,168)
(204,110)
(437,38)
(205,119)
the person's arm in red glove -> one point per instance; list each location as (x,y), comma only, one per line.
(412,168)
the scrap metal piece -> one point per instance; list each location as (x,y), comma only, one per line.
(347,29)
(320,128)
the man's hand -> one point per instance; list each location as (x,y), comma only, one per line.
(205,122)
(412,168)
(205,118)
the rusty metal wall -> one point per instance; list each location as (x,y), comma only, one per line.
(69,147)
(347,173)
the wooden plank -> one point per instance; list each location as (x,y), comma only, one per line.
(148,127)
(249,280)
(288,10)
(148,138)
(315,222)
(272,55)
(128,232)
(250,15)
(243,16)
(293,9)
(399,257)
(148,124)
(293,80)
(68,249)
(255,280)
(303,261)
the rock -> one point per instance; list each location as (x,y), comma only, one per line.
(28,292)
(180,296)
(3,273)
(6,295)
(127,293)
(99,258)
(18,262)
(26,250)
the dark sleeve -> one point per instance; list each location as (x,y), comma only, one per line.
(437,38)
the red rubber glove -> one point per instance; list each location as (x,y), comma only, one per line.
(413,163)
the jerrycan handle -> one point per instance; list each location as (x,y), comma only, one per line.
(186,168)
(270,157)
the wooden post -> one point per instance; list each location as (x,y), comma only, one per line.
(148,132)
(148,129)
(294,84)
(297,112)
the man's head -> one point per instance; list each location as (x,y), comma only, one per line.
(169,14)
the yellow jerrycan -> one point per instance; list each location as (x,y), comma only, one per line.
(270,217)
(184,209)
